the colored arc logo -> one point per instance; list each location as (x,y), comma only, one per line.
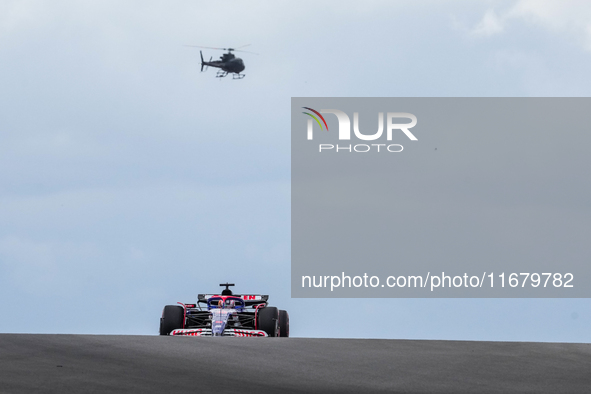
(315,118)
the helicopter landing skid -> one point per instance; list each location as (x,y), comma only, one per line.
(222,74)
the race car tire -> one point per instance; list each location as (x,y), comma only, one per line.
(283,324)
(268,319)
(173,317)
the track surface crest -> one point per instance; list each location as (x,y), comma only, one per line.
(153,364)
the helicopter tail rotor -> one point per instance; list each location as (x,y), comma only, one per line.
(201,53)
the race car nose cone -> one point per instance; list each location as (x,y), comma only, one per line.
(218,322)
(218,328)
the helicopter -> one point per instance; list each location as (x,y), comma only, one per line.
(228,63)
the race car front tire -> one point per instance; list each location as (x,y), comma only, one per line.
(173,317)
(283,323)
(268,319)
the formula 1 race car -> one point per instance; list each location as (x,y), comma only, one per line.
(225,315)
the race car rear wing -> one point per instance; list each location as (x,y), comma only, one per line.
(249,299)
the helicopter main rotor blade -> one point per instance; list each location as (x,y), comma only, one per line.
(199,46)
(240,50)
(224,49)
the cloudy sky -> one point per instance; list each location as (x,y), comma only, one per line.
(130,180)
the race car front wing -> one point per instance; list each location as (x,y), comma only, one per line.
(229,332)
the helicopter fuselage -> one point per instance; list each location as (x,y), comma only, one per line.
(228,62)
(233,66)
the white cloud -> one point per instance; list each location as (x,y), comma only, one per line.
(554,14)
(489,25)
(18,14)
(571,18)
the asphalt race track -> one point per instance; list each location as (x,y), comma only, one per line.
(154,364)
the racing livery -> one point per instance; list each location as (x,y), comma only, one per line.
(225,315)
